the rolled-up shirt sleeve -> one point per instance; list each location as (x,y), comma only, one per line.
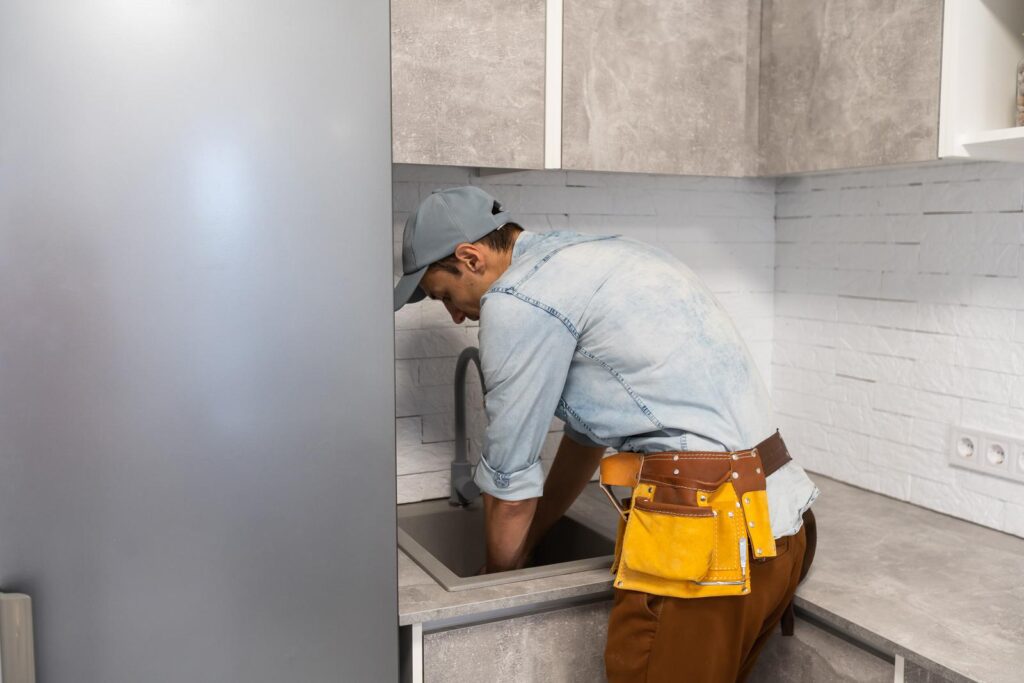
(525,353)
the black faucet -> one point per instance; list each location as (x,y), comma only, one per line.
(463,489)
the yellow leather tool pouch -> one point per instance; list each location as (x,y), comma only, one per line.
(692,523)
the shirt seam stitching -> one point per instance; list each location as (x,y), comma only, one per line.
(537,266)
(555,313)
(583,423)
(625,385)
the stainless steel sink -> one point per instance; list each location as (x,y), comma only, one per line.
(448,542)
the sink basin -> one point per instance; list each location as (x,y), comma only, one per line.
(448,542)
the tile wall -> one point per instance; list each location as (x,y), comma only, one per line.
(882,307)
(899,300)
(722,228)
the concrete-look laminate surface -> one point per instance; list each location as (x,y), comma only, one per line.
(660,87)
(813,655)
(942,592)
(848,84)
(468,82)
(561,645)
(421,599)
(916,582)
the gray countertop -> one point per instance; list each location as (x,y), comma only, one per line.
(421,599)
(942,592)
(935,589)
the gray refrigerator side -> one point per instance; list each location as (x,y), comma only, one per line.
(197,472)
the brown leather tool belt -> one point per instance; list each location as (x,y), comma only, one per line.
(695,513)
(624,469)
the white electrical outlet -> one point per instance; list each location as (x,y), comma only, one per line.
(994,454)
(1017,465)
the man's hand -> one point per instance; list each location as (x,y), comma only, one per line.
(514,527)
(506,523)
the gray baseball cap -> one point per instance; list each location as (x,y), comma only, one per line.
(443,221)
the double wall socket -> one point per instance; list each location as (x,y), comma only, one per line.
(994,454)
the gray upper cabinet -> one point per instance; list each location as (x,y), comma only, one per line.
(660,87)
(693,87)
(848,84)
(468,82)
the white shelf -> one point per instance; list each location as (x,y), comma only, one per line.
(981,45)
(1004,144)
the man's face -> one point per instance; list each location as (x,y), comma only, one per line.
(460,294)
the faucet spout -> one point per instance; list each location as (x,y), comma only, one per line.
(463,489)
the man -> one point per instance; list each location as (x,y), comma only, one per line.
(630,349)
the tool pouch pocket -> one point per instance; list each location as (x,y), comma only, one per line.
(682,551)
(672,542)
(692,524)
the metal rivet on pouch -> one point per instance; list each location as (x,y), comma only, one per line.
(735,457)
(751,524)
(675,457)
(737,503)
(758,470)
(675,471)
(703,498)
(758,551)
(730,514)
(745,589)
(714,513)
(746,500)
(650,489)
(735,475)
(619,583)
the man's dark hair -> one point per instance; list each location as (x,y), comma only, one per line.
(501,240)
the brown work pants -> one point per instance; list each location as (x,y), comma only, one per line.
(656,639)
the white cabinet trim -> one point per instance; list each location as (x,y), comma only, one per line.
(553,86)
(981,45)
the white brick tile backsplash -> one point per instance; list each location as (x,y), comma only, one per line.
(420,173)
(992,417)
(1001,489)
(997,292)
(991,354)
(883,307)
(405,197)
(965,321)
(1014,518)
(724,228)
(929,434)
(882,312)
(938,341)
(955,500)
(910,459)
(1017,393)
(974,196)
(941,378)
(917,403)
(556,178)
(430,343)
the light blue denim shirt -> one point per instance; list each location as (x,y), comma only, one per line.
(630,348)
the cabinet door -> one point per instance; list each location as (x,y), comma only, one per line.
(467,82)
(660,87)
(847,84)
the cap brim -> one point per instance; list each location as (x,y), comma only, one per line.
(408,291)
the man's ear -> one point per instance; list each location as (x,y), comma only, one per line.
(471,255)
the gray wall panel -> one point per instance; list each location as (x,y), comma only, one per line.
(660,87)
(848,84)
(469,82)
(196,339)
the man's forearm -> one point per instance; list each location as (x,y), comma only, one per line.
(506,524)
(572,468)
